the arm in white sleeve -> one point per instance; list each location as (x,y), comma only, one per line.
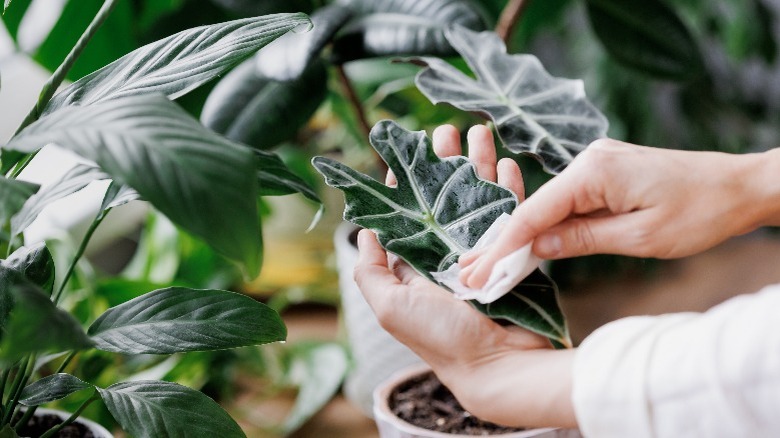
(712,374)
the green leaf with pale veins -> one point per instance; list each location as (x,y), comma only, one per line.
(178,319)
(201,181)
(151,409)
(180,63)
(438,211)
(51,388)
(548,118)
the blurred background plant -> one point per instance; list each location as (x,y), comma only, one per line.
(689,74)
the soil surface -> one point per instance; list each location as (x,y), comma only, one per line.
(39,424)
(425,402)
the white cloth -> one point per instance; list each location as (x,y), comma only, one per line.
(506,273)
(712,374)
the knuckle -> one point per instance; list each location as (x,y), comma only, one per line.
(583,236)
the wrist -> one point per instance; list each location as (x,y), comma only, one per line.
(763,179)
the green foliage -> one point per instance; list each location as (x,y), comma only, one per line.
(51,388)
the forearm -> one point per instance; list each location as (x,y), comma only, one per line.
(517,388)
(764,187)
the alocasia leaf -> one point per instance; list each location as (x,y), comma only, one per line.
(438,211)
(548,118)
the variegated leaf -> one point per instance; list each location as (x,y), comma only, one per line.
(546,117)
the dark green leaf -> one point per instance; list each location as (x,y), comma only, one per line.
(34,263)
(251,109)
(12,17)
(318,371)
(74,180)
(275,179)
(548,118)
(114,39)
(251,8)
(647,36)
(288,57)
(438,211)
(201,181)
(402,27)
(37,326)
(5,5)
(150,409)
(179,319)
(51,388)
(8,432)
(13,195)
(179,63)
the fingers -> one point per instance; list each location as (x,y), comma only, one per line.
(482,151)
(446,141)
(372,274)
(510,177)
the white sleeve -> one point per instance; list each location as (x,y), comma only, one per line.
(712,374)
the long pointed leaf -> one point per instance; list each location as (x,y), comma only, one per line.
(180,63)
(535,113)
(151,409)
(438,211)
(275,179)
(13,195)
(201,181)
(177,319)
(51,388)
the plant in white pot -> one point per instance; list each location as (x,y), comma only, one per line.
(440,208)
(121,119)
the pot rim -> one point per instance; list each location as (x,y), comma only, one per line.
(96,428)
(382,410)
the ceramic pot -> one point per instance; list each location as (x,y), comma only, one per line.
(390,426)
(376,355)
(97,430)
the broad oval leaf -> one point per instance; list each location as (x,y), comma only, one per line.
(36,325)
(152,409)
(646,35)
(51,388)
(402,27)
(180,63)
(71,182)
(13,195)
(548,118)
(438,211)
(201,181)
(178,319)
(249,108)
(34,263)
(288,57)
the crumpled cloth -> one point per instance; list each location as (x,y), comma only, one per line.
(507,272)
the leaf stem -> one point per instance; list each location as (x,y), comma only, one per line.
(20,381)
(72,418)
(359,110)
(509,18)
(82,247)
(3,382)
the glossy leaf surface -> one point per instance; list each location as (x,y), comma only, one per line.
(178,319)
(249,108)
(438,211)
(152,409)
(275,179)
(180,63)
(646,35)
(13,195)
(201,181)
(51,388)
(402,27)
(34,263)
(71,182)
(548,118)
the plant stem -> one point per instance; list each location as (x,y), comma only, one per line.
(82,247)
(3,382)
(509,18)
(72,418)
(65,362)
(16,389)
(60,73)
(359,110)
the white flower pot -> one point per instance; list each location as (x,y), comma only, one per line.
(390,426)
(97,430)
(376,355)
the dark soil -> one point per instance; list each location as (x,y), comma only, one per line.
(425,402)
(39,424)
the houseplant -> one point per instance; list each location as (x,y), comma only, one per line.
(440,207)
(121,119)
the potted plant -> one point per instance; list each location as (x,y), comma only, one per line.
(122,120)
(440,207)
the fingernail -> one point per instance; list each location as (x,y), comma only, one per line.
(548,246)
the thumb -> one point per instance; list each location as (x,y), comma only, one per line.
(585,236)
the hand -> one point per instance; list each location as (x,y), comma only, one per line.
(633,200)
(502,374)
